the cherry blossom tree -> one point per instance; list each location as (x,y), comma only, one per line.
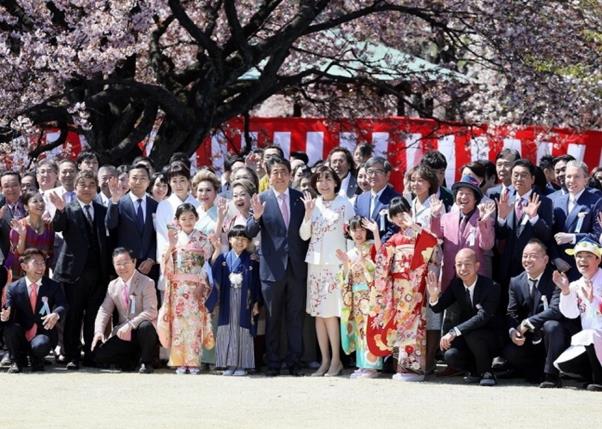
(111,68)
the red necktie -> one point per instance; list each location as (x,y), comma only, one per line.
(33,298)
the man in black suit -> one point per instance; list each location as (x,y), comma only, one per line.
(34,304)
(278,213)
(130,219)
(83,263)
(471,344)
(521,217)
(503,166)
(536,328)
(374,204)
(341,161)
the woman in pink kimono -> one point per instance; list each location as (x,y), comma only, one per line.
(184,324)
(397,321)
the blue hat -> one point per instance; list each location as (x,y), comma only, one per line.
(468,182)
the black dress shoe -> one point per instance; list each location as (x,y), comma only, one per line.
(72,365)
(594,387)
(14,369)
(145,369)
(550,382)
(272,372)
(6,361)
(295,371)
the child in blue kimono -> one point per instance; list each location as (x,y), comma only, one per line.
(237,277)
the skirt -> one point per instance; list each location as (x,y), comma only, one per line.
(323,294)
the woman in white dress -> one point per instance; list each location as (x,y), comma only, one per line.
(323,224)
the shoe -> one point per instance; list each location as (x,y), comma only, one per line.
(72,365)
(146,369)
(471,378)
(356,374)
(181,370)
(369,373)
(335,372)
(593,387)
(272,372)
(194,370)
(229,371)
(407,376)
(295,371)
(240,372)
(6,361)
(488,379)
(319,372)
(37,365)
(14,369)
(550,382)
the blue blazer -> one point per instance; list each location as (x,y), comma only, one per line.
(362,208)
(121,221)
(279,245)
(17,299)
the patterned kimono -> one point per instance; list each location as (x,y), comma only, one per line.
(397,321)
(355,285)
(184,324)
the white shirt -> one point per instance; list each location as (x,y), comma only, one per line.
(470,289)
(29,283)
(373,200)
(345,184)
(91,211)
(573,200)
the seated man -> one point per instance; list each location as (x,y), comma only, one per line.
(533,315)
(470,345)
(583,298)
(34,304)
(134,337)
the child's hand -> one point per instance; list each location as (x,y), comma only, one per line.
(342,256)
(214,239)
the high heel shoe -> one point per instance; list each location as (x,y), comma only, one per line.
(334,371)
(320,372)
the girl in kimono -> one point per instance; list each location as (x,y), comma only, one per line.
(184,324)
(397,321)
(356,276)
(237,277)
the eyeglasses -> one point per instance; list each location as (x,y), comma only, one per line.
(374,171)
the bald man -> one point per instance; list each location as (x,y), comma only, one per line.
(470,345)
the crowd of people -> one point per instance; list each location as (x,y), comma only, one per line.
(278,265)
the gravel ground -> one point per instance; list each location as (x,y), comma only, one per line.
(103,399)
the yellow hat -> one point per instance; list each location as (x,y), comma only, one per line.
(586,245)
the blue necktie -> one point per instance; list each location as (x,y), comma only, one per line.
(139,216)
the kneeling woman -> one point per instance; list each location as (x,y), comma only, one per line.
(397,321)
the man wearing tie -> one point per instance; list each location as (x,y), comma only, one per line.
(34,304)
(470,345)
(537,330)
(575,213)
(11,209)
(134,336)
(278,213)
(82,265)
(374,204)
(130,217)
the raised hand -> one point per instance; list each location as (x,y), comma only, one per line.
(222,207)
(561,281)
(486,210)
(215,241)
(19,227)
(370,225)
(342,256)
(309,203)
(433,286)
(503,205)
(533,206)
(116,190)
(5,314)
(172,236)
(436,206)
(257,206)
(57,200)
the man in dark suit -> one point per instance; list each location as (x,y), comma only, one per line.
(575,213)
(503,166)
(537,330)
(11,208)
(82,265)
(130,219)
(374,204)
(471,344)
(34,304)
(559,163)
(278,213)
(341,161)
(525,216)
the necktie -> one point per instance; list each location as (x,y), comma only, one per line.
(533,288)
(69,197)
(284,209)
(463,222)
(372,205)
(33,298)
(88,214)
(140,216)
(468,298)
(125,297)
(519,210)
(571,204)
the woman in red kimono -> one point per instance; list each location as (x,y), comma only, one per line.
(397,321)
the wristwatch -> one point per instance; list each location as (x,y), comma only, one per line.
(452,332)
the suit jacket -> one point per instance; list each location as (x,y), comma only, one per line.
(481,313)
(352,187)
(143,300)
(362,208)
(495,191)
(517,235)
(586,208)
(478,236)
(121,221)
(446,197)
(74,252)
(279,244)
(5,220)
(521,306)
(17,298)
